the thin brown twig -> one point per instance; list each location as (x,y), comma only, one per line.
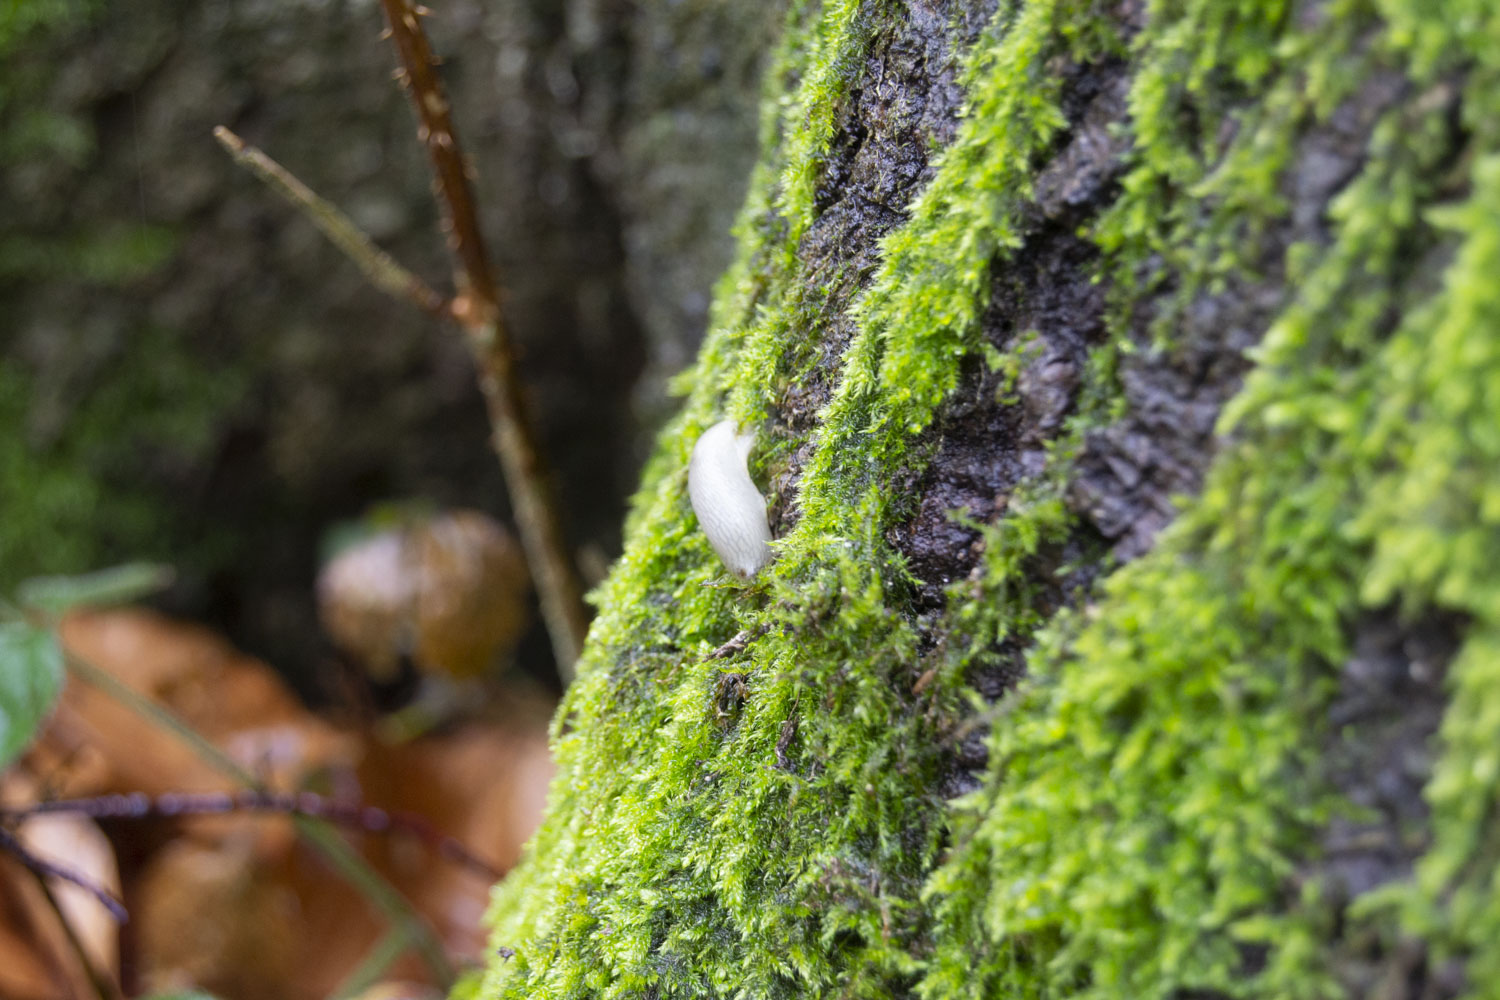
(12,846)
(380,267)
(367,819)
(477,309)
(418,75)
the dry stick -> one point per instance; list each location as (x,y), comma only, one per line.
(173,805)
(382,270)
(477,309)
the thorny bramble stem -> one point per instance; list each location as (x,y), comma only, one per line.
(477,309)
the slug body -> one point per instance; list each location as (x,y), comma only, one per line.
(729,507)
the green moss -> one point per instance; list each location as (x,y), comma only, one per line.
(1155,786)
(66,509)
(98,424)
(34,130)
(67,443)
(1154,789)
(1431,524)
(19,18)
(112,256)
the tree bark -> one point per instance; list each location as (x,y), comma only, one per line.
(1121,380)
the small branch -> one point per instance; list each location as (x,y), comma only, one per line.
(477,309)
(42,866)
(367,819)
(377,265)
(418,74)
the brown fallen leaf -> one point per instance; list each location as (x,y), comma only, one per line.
(37,957)
(236,904)
(484,785)
(78,844)
(36,960)
(208,918)
(95,745)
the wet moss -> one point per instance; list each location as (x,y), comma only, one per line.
(68,463)
(1154,789)
(71,446)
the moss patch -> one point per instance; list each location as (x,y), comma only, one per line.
(1152,789)
(66,450)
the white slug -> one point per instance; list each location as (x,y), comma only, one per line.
(729,507)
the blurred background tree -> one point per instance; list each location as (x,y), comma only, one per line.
(188,372)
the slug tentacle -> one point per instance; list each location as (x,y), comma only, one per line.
(729,507)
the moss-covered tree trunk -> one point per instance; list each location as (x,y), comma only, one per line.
(1127,381)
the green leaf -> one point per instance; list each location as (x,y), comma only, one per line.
(31,672)
(56,594)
